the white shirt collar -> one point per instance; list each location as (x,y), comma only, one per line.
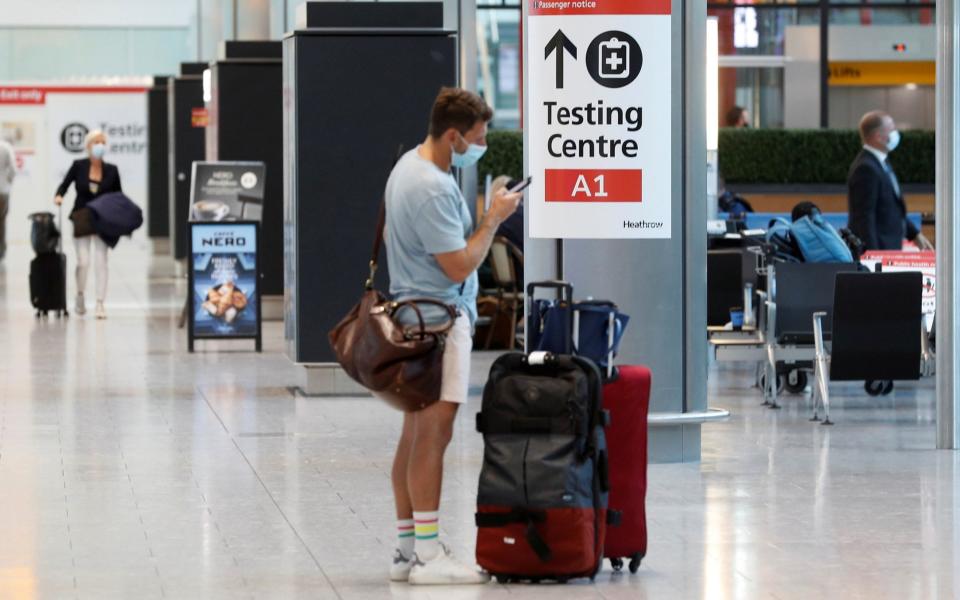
(881,156)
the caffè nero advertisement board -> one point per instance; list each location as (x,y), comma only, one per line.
(227,191)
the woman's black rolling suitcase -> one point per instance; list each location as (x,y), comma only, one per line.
(48,275)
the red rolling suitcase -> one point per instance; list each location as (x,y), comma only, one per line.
(627,399)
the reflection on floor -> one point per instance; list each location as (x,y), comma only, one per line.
(130,469)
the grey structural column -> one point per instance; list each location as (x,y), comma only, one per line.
(661,284)
(461,16)
(252,18)
(948,225)
(694,218)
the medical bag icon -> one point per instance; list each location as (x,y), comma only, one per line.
(614,59)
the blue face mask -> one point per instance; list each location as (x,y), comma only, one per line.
(894,141)
(98,150)
(469,158)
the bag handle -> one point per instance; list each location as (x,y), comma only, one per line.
(381,223)
(413,304)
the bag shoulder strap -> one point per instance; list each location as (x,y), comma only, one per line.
(378,236)
(381,223)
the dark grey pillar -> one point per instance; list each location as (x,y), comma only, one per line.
(352,97)
(158,173)
(184,94)
(246,124)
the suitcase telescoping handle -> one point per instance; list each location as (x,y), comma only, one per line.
(564,289)
(613,334)
(564,294)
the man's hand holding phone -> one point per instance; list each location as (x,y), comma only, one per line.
(504,204)
(506,201)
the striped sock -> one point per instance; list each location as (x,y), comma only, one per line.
(427,528)
(405,537)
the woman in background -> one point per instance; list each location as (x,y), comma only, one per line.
(92,177)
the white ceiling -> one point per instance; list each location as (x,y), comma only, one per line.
(97,13)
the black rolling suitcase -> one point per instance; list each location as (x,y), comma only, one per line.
(48,282)
(542,497)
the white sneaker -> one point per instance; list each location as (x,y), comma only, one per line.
(81,308)
(400,567)
(443,569)
(101,313)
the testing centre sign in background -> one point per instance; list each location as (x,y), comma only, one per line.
(599,118)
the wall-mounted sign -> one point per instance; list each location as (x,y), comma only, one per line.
(599,118)
(894,261)
(745,33)
(883,73)
(224,282)
(199,117)
(227,191)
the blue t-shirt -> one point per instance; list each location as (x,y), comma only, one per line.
(426,215)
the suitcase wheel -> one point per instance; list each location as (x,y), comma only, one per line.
(635,563)
(878,387)
(796,382)
(616,564)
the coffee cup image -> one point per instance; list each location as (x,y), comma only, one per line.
(210,210)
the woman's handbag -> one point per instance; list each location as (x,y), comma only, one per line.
(44,235)
(82,222)
(403,365)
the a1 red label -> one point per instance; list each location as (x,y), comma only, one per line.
(594,185)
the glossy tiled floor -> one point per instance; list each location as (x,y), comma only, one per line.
(130,469)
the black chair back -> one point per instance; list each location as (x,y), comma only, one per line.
(727,272)
(801,290)
(876,326)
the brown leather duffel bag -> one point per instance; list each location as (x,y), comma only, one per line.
(402,364)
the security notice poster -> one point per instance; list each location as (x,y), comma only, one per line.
(223,284)
(895,261)
(227,191)
(599,118)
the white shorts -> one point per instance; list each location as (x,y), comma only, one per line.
(455,386)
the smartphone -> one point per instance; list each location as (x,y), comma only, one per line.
(522,185)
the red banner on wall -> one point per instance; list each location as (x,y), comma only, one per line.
(22,95)
(38,94)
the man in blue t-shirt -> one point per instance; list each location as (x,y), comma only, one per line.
(433,251)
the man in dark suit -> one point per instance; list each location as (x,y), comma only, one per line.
(878,214)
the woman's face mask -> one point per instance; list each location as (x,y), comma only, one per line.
(98,150)
(470,156)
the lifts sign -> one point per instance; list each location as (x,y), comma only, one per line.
(599,118)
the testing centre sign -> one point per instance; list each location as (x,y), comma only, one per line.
(599,118)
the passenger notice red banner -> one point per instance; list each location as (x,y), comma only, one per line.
(600,7)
